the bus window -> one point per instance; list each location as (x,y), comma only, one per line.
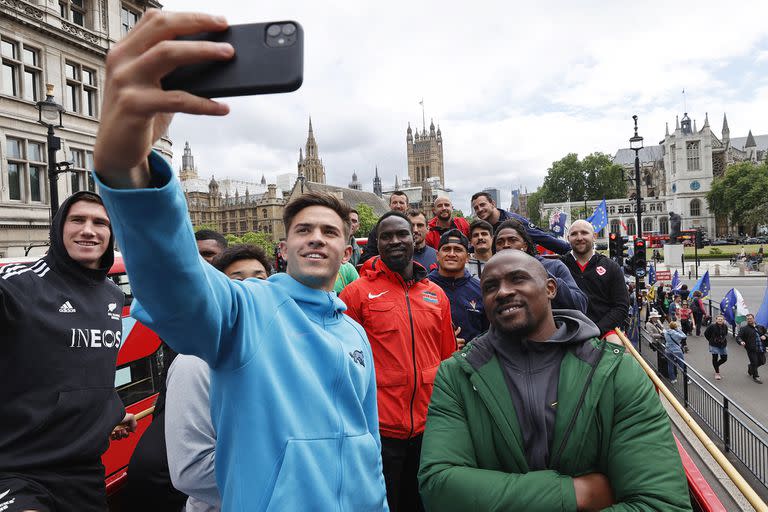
(121,280)
(139,379)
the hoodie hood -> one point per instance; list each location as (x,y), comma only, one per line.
(319,304)
(572,327)
(58,258)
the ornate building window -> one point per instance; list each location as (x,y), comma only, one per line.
(81,90)
(692,151)
(128,18)
(663,226)
(615,226)
(631,227)
(21,72)
(26,170)
(263,213)
(647,225)
(695,207)
(79,176)
(73,10)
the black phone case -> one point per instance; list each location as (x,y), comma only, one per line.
(256,68)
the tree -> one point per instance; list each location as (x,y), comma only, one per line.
(594,177)
(206,226)
(534,207)
(368,219)
(741,194)
(233,239)
(260,238)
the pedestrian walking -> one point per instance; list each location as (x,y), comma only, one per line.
(717,336)
(674,339)
(752,337)
(687,321)
(700,316)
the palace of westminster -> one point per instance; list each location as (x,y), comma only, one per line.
(64,44)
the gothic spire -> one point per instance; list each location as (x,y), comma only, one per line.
(706,120)
(263,179)
(750,141)
(667,130)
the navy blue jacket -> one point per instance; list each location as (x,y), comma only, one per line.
(467,309)
(543,238)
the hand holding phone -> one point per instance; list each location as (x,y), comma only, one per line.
(269,58)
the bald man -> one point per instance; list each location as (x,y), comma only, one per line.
(444,221)
(538,414)
(600,278)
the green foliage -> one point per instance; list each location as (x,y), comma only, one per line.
(368,219)
(534,207)
(594,177)
(458,213)
(206,226)
(741,194)
(260,238)
(714,251)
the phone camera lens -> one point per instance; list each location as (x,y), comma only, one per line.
(288,29)
(273,30)
(281,41)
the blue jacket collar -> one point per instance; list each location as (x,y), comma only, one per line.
(315,303)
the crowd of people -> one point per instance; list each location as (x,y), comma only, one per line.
(403,384)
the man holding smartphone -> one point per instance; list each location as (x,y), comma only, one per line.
(293,391)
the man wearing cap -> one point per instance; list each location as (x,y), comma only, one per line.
(408,322)
(462,289)
(480,236)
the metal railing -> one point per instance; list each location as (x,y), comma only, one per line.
(740,433)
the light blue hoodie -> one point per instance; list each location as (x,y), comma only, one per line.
(293,390)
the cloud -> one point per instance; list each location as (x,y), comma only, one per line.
(514,87)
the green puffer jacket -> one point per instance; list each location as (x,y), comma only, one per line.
(472,455)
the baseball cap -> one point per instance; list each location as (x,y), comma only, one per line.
(454,236)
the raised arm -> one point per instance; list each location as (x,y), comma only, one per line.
(192,306)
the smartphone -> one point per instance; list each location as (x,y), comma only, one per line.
(269,58)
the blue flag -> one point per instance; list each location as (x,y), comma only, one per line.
(676,284)
(702,285)
(599,218)
(762,314)
(651,274)
(728,305)
(557,223)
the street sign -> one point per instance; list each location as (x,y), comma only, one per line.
(663,275)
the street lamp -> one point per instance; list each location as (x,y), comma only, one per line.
(49,113)
(636,144)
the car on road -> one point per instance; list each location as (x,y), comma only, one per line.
(723,241)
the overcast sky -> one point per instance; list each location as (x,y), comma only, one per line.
(514,86)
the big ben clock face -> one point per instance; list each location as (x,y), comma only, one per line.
(695,185)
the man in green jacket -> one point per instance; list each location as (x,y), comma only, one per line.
(539,415)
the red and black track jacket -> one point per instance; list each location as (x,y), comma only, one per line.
(409,327)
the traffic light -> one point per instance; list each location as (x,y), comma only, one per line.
(699,239)
(639,263)
(614,246)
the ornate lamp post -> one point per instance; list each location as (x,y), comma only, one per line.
(636,144)
(51,113)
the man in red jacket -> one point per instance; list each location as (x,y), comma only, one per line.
(444,221)
(408,322)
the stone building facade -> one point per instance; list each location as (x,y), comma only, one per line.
(675,176)
(64,44)
(310,165)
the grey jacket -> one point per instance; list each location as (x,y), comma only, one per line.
(189,434)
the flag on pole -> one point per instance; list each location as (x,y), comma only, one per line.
(762,314)
(676,283)
(557,223)
(702,285)
(733,307)
(624,226)
(599,218)
(651,275)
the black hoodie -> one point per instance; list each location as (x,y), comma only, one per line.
(60,331)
